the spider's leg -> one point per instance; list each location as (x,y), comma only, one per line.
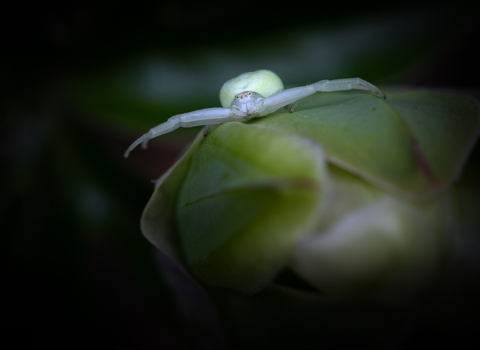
(293,107)
(135,144)
(170,125)
(206,130)
(348,84)
(284,98)
(205,116)
(289,96)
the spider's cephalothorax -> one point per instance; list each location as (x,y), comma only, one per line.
(250,95)
(247,104)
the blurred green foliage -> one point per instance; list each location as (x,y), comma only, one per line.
(83,79)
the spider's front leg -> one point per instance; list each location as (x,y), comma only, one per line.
(291,96)
(207,116)
(348,84)
(284,98)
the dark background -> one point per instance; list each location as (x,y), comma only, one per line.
(75,267)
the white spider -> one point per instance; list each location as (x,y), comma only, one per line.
(252,95)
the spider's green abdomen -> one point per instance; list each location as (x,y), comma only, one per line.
(263,82)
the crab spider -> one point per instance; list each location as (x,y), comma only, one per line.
(252,95)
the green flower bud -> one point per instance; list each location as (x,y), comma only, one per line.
(361,199)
